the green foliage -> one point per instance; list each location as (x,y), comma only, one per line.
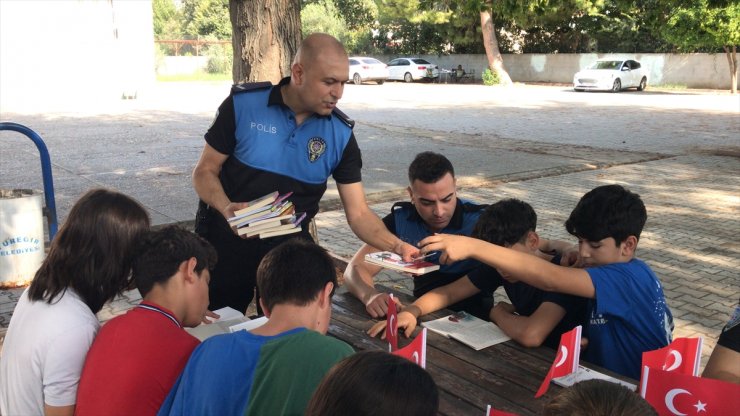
(701,24)
(490,77)
(166,20)
(220,58)
(206,17)
(322,16)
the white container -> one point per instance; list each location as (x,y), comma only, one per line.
(21,236)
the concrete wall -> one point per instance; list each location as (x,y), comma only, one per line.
(93,49)
(181,65)
(699,70)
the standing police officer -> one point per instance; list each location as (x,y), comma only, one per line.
(287,137)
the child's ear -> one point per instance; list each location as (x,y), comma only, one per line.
(266,311)
(533,240)
(411,194)
(325,297)
(628,246)
(189,270)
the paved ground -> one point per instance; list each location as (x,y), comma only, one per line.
(545,145)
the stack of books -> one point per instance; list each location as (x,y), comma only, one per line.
(268,216)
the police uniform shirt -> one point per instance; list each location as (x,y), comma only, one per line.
(268,151)
(404,221)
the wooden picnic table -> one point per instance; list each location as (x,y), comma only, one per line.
(505,375)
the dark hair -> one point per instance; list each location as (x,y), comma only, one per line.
(295,272)
(607,211)
(93,250)
(161,253)
(429,167)
(375,383)
(598,398)
(505,223)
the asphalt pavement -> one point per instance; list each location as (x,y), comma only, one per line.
(546,145)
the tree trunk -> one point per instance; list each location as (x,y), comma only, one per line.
(495,62)
(266,35)
(732,60)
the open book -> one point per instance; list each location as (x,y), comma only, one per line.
(466,328)
(230,320)
(584,374)
(394,261)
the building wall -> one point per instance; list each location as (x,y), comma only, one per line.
(89,49)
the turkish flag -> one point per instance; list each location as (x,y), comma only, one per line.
(566,361)
(490,411)
(417,350)
(391,328)
(683,355)
(672,393)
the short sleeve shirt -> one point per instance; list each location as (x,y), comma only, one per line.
(268,151)
(627,317)
(526,299)
(404,221)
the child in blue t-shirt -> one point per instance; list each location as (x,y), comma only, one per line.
(628,314)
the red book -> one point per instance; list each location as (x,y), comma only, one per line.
(417,350)
(672,393)
(566,361)
(391,328)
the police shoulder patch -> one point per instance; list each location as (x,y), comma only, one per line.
(249,86)
(344,117)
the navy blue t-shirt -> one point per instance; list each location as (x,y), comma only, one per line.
(526,299)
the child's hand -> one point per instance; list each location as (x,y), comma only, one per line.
(405,320)
(453,247)
(377,305)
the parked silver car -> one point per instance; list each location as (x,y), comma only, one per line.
(411,69)
(611,75)
(363,68)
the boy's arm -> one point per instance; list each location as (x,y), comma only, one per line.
(431,301)
(525,267)
(530,331)
(359,275)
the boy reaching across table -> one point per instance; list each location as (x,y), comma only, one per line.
(628,314)
(536,316)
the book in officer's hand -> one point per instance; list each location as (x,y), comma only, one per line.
(268,220)
(261,208)
(393,261)
(468,329)
(290,226)
(256,204)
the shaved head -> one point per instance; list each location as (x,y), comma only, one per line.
(319,45)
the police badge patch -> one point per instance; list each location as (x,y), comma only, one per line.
(316,148)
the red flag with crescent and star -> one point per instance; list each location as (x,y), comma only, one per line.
(490,411)
(676,394)
(416,351)
(567,359)
(683,355)
(391,327)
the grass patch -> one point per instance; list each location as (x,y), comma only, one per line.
(670,86)
(197,76)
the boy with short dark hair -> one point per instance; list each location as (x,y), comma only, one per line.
(273,369)
(536,316)
(136,357)
(628,314)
